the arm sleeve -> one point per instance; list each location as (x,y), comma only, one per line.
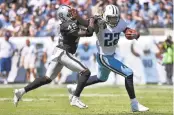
(83,22)
(88,32)
(82,33)
(123,25)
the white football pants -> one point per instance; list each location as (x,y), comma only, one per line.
(62,58)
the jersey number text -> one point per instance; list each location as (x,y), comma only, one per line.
(147,63)
(72,26)
(113,39)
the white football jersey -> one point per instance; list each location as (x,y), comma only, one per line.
(107,37)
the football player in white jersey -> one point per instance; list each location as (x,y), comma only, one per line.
(108,28)
(149,61)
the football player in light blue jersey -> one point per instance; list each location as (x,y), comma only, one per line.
(149,62)
(108,28)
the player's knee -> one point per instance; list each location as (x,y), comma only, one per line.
(130,75)
(47,80)
(86,73)
(103,80)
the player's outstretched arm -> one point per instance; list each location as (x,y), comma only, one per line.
(88,32)
(134,52)
(75,15)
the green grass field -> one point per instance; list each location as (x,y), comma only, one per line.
(108,100)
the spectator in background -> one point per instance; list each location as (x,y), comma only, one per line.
(123,8)
(146,13)
(74,4)
(23,12)
(53,7)
(135,6)
(5,22)
(168,22)
(25,59)
(7,50)
(25,29)
(19,24)
(52,25)
(155,22)
(33,27)
(161,12)
(41,29)
(41,57)
(169,7)
(13,11)
(13,28)
(87,55)
(34,4)
(168,58)
(140,23)
(149,62)
(153,5)
(130,21)
(3,8)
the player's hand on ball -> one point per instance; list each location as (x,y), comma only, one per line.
(131,34)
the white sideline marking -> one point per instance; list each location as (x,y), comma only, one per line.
(87,95)
(25,99)
(93,86)
(63,95)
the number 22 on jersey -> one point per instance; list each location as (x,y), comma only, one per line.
(111,39)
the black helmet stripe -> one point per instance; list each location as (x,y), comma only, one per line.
(116,8)
(113,9)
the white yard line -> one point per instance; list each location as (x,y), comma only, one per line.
(64,95)
(88,95)
(93,86)
(25,99)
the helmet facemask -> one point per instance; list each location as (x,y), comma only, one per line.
(70,16)
(112,20)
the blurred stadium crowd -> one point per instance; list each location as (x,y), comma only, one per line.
(37,17)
